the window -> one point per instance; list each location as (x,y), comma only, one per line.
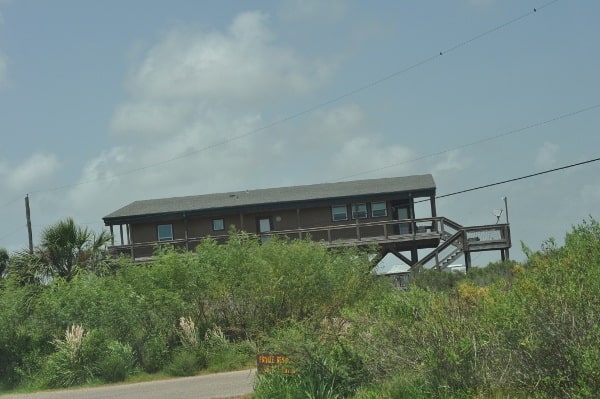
(339,212)
(165,232)
(359,211)
(378,209)
(218,224)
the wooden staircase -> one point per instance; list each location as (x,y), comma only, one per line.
(457,240)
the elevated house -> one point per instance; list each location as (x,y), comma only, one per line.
(377,212)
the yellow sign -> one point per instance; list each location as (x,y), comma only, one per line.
(267,362)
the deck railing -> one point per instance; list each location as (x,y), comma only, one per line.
(360,233)
(468,239)
(363,234)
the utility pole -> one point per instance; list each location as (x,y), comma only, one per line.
(28,214)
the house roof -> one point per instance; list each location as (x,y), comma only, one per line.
(420,185)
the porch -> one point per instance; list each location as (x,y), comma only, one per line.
(447,239)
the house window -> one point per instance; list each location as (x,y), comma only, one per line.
(339,212)
(218,224)
(378,209)
(165,232)
(359,211)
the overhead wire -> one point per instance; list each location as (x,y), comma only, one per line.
(311,109)
(480,141)
(481,187)
(335,100)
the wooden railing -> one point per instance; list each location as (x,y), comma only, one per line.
(468,239)
(409,231)
(361,233)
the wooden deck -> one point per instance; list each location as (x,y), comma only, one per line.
(447,239)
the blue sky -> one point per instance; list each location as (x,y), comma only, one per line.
(104,103)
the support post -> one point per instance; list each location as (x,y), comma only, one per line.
(414,256)
(28,216)
(112,236)
(132,242)
(298,226)
(185,232)
(467,261)
(434,226)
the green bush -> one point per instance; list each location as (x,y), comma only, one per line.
(68,365)
(505,330)
(116,363)
(186,362)
(523,331)
(222,354)
(154,354)
(324,360)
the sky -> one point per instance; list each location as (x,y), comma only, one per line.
(104,103)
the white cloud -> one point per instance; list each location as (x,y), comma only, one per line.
(31,172)
(333,126)
(151,118)
(368,153)
(451,161)
(193,123)
(546,155)
(241,68)
(194,120)
(202,82)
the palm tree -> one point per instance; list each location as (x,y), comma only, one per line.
(3,261)
(65,247)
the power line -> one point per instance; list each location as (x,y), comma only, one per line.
(518,178)
(319,105)
(484,140)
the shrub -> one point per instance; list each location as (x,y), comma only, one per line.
(223,354)
(117,362)
(154,354)
(186,362)
(325,362)
(68,366)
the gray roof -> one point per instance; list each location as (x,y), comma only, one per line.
(275,196)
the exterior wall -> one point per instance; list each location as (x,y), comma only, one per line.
(199,227)
(203,226)
(148,232)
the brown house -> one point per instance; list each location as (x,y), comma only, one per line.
(362,212)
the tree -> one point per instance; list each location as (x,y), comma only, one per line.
(64,248)
(3,261)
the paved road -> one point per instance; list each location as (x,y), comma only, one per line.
(221,385)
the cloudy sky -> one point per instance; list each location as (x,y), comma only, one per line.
(107,102)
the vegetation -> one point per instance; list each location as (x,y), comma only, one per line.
(506,330)
(3,261)
(65,250)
